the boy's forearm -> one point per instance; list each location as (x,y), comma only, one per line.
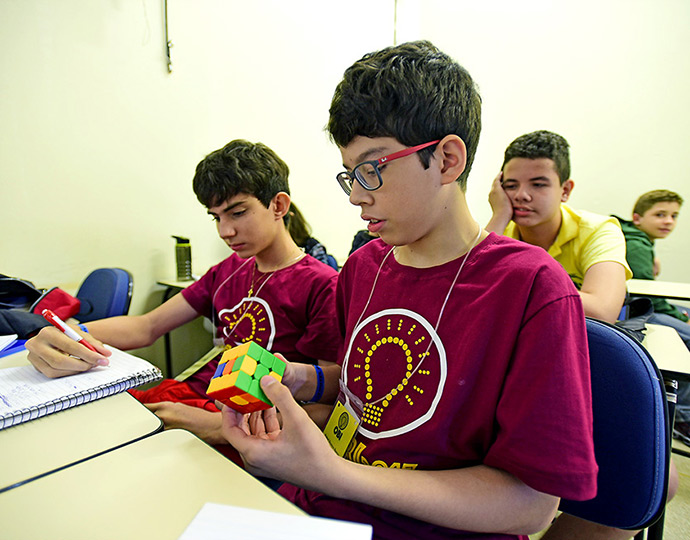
(603,291)
(125,332)
(331,374)
(604,309)
(476,498)
(132,332)
(307,389)
(480,498)
(501,207)
(204,424)
(498,223)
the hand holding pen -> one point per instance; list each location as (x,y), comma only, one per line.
(60,325)
(56,356)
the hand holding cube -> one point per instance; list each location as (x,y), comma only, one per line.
(236,380)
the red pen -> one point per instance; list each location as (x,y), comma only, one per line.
(57,323)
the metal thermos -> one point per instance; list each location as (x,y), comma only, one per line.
(183,257)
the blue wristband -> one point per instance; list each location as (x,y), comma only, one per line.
(83,328)
(320,383)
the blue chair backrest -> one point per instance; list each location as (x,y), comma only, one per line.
(623,315)
(106,292)
(631,435)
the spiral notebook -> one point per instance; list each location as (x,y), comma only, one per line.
(26,394)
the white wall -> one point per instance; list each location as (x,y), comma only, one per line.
(98,142)
(611,76)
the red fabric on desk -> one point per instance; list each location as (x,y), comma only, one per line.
(180,392)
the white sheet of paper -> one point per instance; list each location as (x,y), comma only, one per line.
(220,522)
(6,341)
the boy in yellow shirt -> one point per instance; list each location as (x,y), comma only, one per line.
(528,201)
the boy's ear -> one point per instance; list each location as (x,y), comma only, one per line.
(280,205)
(567,188)
(453,157)
(637,218)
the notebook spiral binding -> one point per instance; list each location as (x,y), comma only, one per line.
(79,398)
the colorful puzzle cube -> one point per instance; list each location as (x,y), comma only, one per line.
(236,381)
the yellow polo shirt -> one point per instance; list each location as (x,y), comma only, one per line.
(584,239)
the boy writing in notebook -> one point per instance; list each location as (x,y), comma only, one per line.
(464,358)
(267,291)
(528,200)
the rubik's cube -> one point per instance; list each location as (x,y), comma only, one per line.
(236,380)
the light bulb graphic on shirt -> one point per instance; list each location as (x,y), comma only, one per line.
(396,365)
(250,320)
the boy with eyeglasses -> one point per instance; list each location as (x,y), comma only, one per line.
(465,407)
(268,291)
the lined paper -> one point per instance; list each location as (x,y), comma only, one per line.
(26,394)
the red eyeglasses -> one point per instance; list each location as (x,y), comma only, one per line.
(368,174)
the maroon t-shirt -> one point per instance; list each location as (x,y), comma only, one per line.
(291,311)
(503,380)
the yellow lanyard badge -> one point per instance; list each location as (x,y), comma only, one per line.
(344,421)
(341,427)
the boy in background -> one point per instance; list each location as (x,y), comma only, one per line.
(528,201)
(475,411)
(268,291)
(655,215)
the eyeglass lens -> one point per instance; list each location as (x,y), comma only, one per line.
(367,175)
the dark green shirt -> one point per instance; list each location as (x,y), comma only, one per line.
(640,256)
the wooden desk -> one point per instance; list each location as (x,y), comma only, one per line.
(45,445)
(673,360)
(175,284)
(663,289)
(151,489)
(668,351)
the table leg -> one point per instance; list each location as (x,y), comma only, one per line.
(169,293)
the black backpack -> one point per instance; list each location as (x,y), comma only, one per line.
(18,299)
(18,293)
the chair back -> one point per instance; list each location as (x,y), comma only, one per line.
(106,292)
(631,434)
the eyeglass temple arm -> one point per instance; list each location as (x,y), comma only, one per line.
(405,152)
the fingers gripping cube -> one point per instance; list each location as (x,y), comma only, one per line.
(236,381)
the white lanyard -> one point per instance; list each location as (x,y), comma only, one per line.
(438,322)
(250,295)
(213,298)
